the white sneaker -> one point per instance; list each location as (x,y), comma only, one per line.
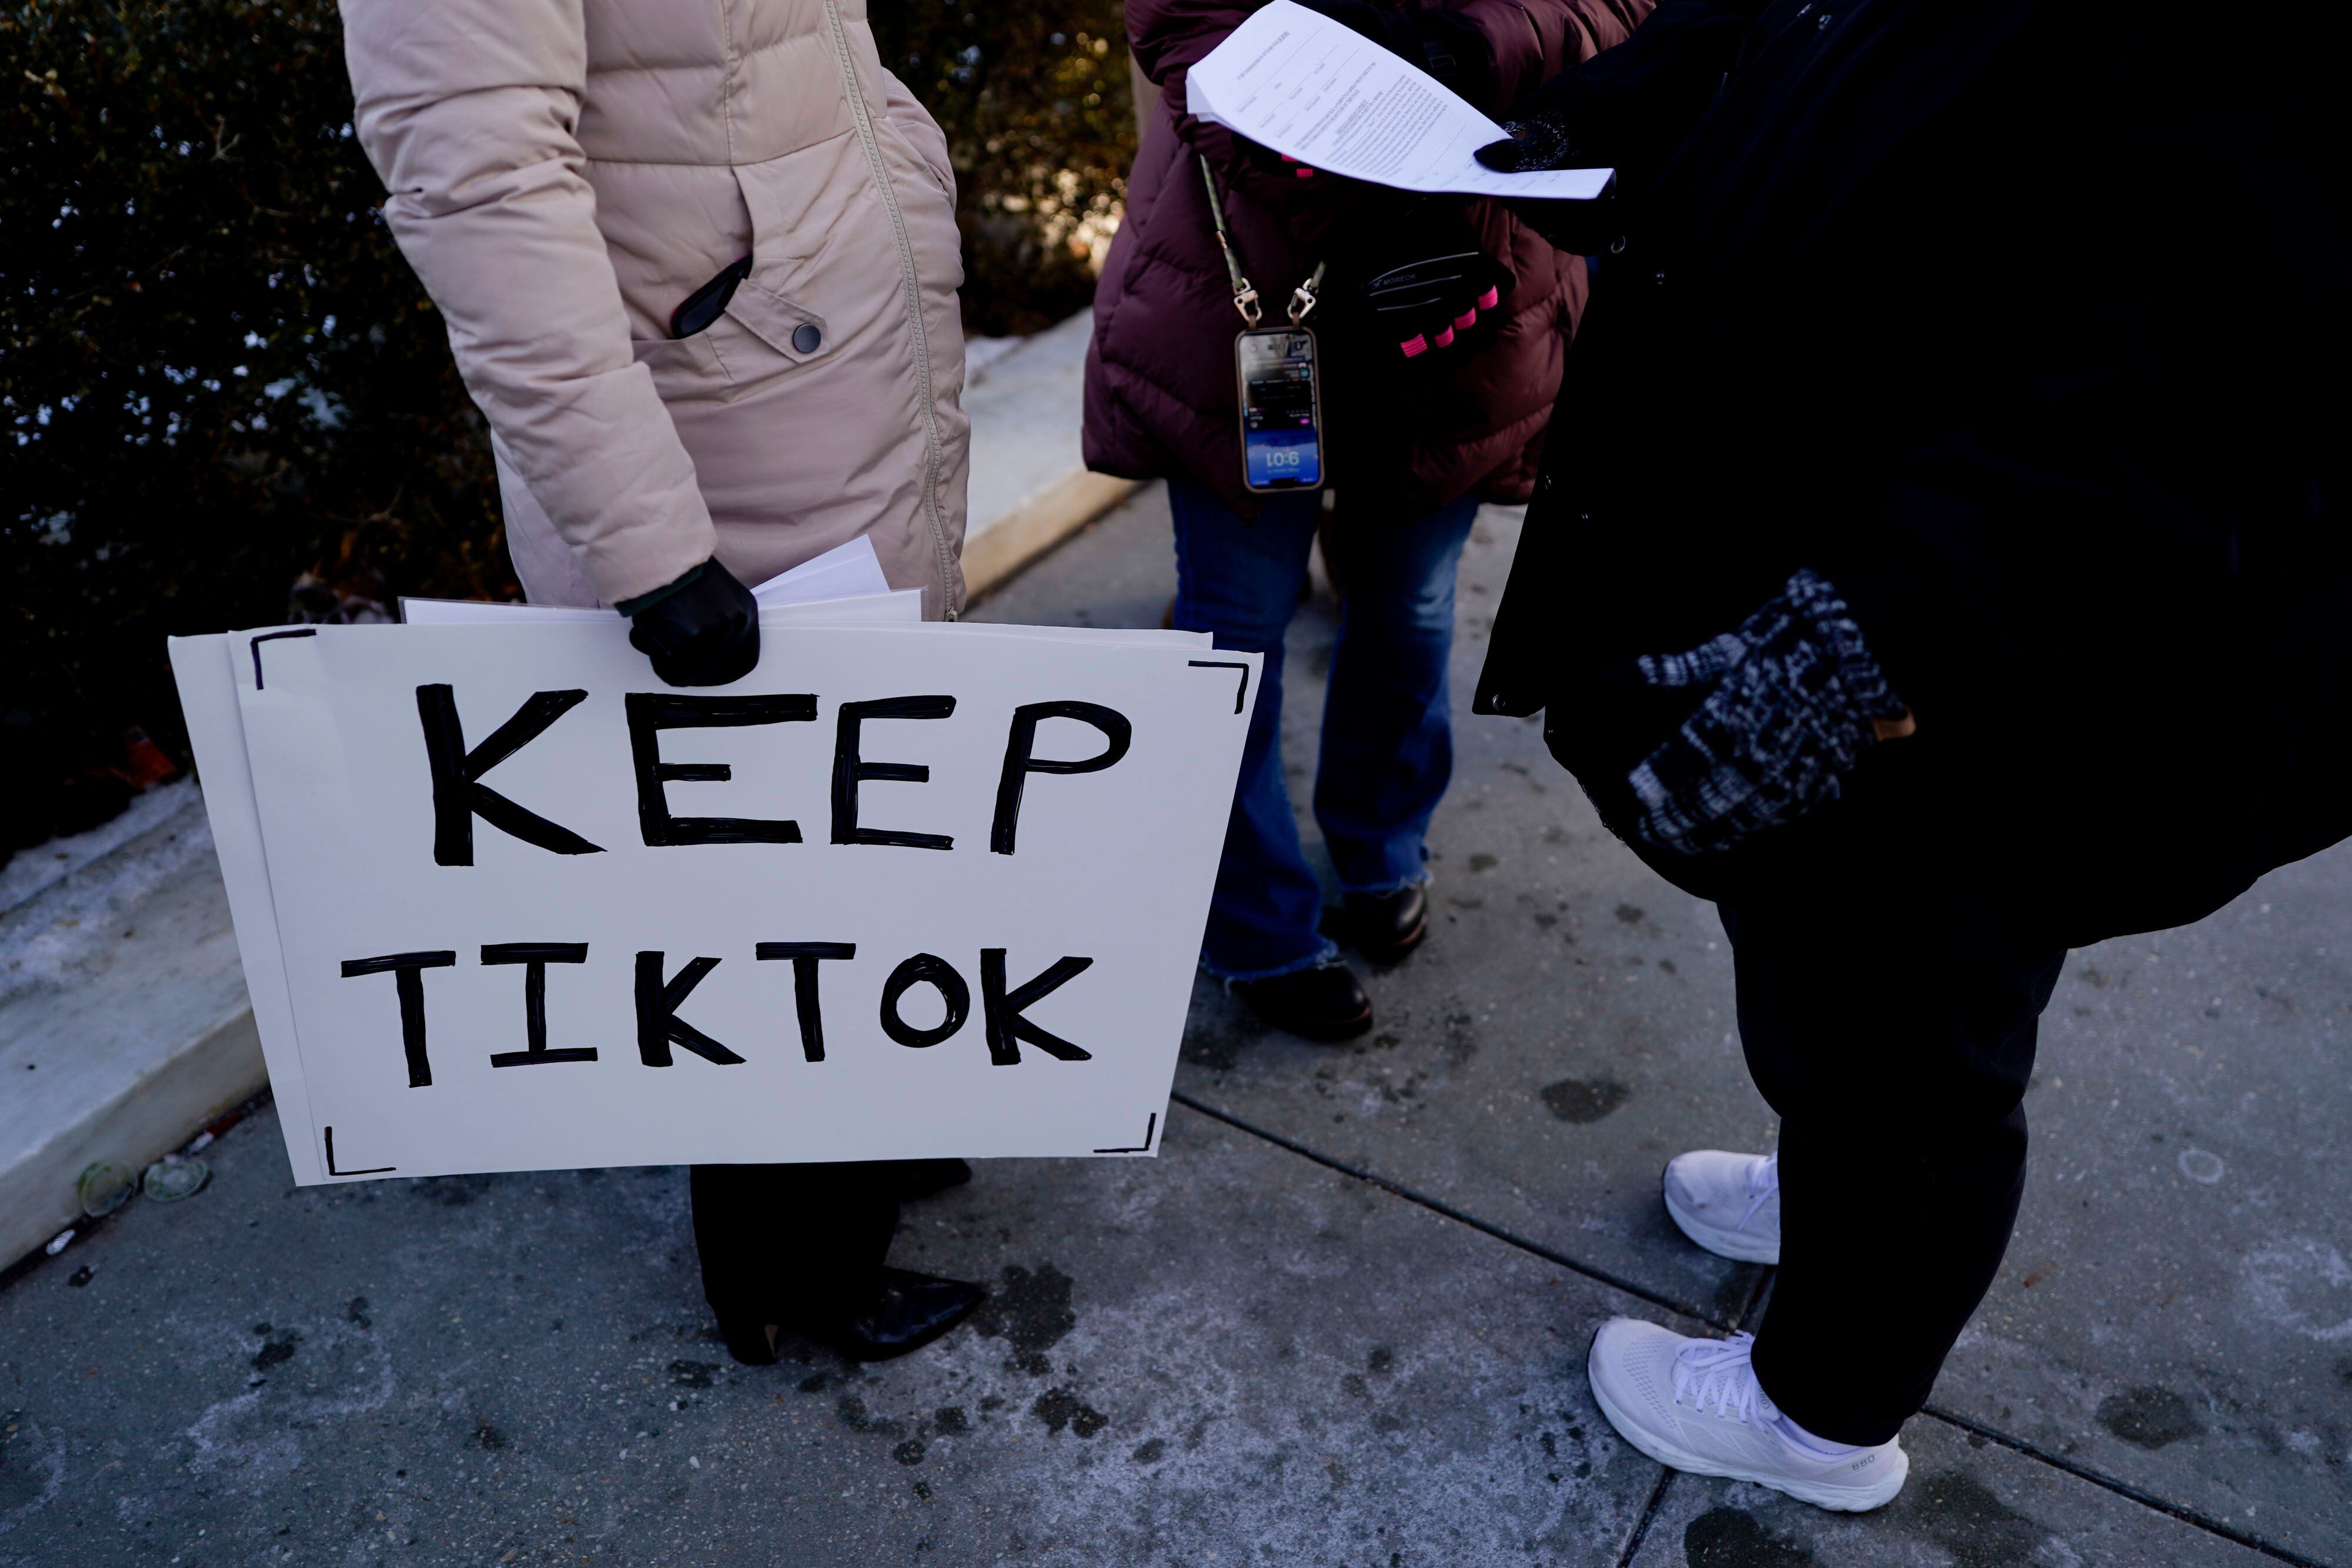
(1695,1404)
(1728,1204)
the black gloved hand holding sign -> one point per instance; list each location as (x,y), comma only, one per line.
(702,630)
(1797,697)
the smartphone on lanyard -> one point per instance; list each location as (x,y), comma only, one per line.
(1282,409)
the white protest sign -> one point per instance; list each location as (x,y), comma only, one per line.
(506,903)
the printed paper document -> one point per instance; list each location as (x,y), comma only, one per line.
(1314,90)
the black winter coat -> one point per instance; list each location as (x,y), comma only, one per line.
(2027,324)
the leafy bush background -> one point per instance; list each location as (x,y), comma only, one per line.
(219,380)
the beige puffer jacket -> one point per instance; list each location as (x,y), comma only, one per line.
(564,173)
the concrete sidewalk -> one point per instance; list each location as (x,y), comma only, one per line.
(1340,1320)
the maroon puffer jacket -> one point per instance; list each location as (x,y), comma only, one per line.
(1161,398)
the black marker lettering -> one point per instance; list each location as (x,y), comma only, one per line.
(535,956)
(849,770)
(1019,764)
(658,1025)
(1005,1024)
(458,794)
(806,958)
(650,713)
(914,971)
(408,982)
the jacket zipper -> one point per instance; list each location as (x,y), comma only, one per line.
(932,444)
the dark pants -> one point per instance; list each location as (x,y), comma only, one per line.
(791,1244)
(1887,1006)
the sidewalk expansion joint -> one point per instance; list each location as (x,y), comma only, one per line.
(1756,1297)
(1439,1207)
(2124,1489)
(1649,1517)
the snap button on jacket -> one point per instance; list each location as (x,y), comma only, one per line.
(564,173)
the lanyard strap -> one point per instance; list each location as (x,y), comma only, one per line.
(1302,298)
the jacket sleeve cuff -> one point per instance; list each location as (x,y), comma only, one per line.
(647,600)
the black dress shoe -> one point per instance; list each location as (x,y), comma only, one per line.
(907,1311)
(926,1179)
(1325,1003)
(1385,926)
(753,1343)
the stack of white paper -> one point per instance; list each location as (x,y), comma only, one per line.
(843,587)
(1310,88)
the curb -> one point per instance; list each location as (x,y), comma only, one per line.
(1030,486)
(135,1031)
(150,1114)
(1036,526)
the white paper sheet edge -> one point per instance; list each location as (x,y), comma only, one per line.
(205,670)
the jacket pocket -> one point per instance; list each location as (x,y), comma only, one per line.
(784,327)
(760,336)
(685,370)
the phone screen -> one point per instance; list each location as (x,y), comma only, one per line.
(1281,447)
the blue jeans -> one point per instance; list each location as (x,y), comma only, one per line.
(1388,743)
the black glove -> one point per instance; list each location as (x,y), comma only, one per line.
(1549,129)
(1547,132)
(1797,698)
(1446,43)
(701,631)
(1424,280)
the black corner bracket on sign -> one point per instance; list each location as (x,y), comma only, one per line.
(1150,1125)
(376,1170)
(272,637)
(1239,697)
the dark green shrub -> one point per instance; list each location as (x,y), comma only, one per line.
(1035,102)
(218,378)
(217,374)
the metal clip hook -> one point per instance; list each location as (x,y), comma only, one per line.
(1245,301)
